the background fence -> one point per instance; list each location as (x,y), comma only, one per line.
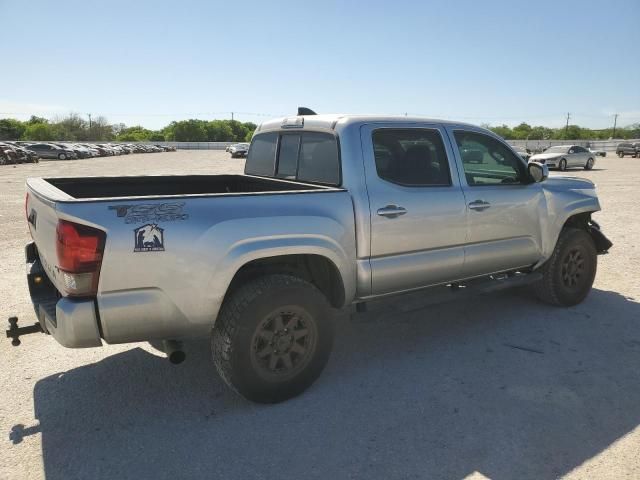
(539,145)
(533,145)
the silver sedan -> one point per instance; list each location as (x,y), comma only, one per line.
(565,156)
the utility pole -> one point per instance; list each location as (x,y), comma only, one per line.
(615,122)
(89,120)
(566,128)
(232,116)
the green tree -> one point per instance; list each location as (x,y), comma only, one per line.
(522,131)
(219,131)
(135,134)
(11,129)
(503,131)
(157,136)
(34,119)
(40,132)
(189,131)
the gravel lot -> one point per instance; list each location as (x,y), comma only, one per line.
(414,389)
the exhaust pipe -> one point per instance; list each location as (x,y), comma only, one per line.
(174,352)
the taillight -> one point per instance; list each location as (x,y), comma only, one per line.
(79,250)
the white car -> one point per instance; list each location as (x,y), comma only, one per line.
(565,156)
(239,150)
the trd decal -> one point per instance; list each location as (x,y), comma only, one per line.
(155,212)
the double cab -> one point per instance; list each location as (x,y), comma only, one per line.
(332,210)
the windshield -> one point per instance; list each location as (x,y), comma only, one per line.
(556,150)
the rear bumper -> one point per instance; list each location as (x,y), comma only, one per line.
(72,322)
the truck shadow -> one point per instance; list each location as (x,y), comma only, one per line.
(500,385)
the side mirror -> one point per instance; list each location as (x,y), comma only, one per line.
(538,171)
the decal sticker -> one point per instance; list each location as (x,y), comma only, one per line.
(149,238)
(155,212)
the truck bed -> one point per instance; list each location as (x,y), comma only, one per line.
(170,185)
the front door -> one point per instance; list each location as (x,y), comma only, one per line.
(504,207)
(418,211)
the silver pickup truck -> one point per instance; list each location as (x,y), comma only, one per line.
(332,210)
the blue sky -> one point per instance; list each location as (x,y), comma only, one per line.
(144,62)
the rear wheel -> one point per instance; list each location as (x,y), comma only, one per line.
(589,164)
(273,338)
(569,274)
(562,165)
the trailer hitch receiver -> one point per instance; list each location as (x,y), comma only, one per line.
(14,331)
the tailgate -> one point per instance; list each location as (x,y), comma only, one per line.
(42,219)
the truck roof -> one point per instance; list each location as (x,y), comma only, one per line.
(330,121)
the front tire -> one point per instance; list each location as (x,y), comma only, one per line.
(562,166)
(589,164)
(621,154)
(273,338)
(62,156)
(569,274)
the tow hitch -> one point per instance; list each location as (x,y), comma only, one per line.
(14,332)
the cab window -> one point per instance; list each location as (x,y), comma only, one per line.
(411,157)
(305,156)
(487,161)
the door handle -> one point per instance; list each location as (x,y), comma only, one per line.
(391,211)
(479,205)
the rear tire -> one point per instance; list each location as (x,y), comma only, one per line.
(569,274)
(272,338)
(562,166)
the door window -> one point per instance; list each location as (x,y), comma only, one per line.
(411,157)
(487,161)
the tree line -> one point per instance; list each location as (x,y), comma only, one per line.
(76,128)
(525,131)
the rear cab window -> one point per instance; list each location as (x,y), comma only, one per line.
(311,157)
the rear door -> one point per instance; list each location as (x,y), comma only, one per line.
(503,207)
(418,212)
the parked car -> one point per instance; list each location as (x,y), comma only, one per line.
(628,148)
(565,156)
(47,150)
(239,150)
(79,150)
(8,155)
(29,156)
(258,261)
(523,152)
(598,153)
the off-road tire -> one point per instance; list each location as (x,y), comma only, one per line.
(554,288)
(241,323)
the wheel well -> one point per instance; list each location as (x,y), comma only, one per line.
(580,220)
(583,221)
(316,269)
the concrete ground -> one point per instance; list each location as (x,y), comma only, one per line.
(496,387)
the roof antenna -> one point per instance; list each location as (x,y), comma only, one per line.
(305,111)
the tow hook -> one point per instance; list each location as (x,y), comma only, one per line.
(14,332)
